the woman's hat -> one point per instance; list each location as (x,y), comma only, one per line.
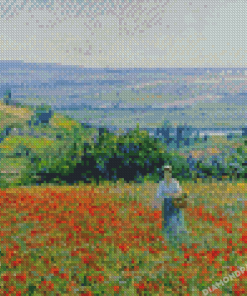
(167,168)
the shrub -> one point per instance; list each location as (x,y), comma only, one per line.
(130,156)
(42,115)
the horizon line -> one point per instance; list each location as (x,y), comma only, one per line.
(119,68)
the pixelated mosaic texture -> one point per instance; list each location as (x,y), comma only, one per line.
(77,199)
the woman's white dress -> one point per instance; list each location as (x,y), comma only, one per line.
(174,224)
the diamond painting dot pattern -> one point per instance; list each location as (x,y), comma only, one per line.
(123,147)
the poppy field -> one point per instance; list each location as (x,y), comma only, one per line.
(107,240)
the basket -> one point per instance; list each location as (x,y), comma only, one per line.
(181,202)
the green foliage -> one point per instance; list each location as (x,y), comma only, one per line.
(105,148)
(141,148)
(130,156)
(42,115)
(3,183)
(180,166)
(15,171)
(7,97)
(63,148)
(236,162)
(56,159)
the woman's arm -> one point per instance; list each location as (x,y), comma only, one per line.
(178,191)
(175,195)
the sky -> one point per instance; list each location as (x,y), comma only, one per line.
(125,34)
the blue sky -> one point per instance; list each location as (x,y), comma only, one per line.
(178,33)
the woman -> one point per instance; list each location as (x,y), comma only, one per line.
(168,191)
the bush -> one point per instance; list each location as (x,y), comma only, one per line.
(3,183)
(70,159)
(180,166)
(130,157)
(42,115)
(16,171)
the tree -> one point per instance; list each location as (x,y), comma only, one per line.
(42,114)
(7,97)
(130,156)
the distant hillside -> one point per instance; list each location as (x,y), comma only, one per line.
(23,141)
(19,113)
